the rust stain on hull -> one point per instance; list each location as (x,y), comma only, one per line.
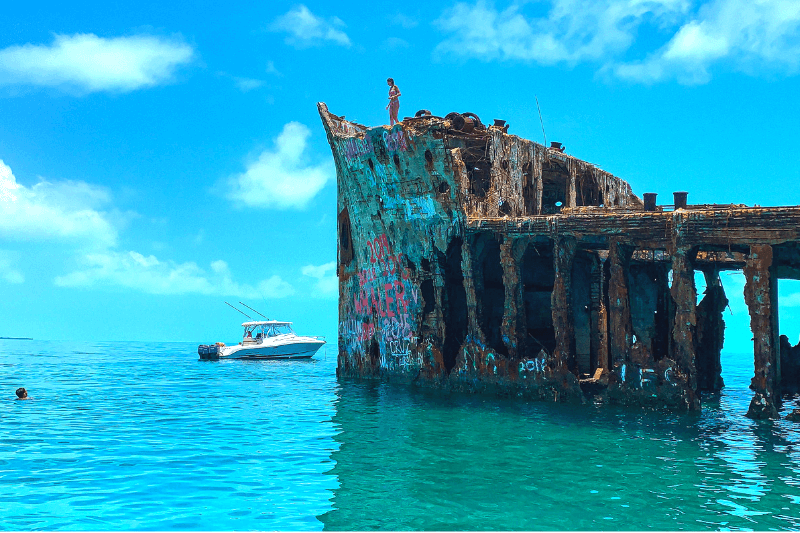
(474,260)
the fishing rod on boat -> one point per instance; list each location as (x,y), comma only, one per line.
(245,314)
(253,310)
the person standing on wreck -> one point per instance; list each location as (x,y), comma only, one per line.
(394,102)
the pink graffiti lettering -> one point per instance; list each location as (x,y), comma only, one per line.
(396,141)
(354,148)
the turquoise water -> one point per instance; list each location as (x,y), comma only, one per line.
(145,436)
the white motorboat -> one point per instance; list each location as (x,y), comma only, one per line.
(267,339)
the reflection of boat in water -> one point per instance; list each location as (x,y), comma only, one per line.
(266,339)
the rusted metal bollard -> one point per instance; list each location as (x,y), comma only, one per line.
(680,199)
(650,201)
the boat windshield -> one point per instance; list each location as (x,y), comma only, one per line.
(280,329)
(259,331)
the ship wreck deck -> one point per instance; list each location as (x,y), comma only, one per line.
(721,234)
(473,260)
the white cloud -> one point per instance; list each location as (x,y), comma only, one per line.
(395,43)
(88,63)
(751,36)
(247,84)
(271,69)
(305,29)
(13,276)
(148,274)
(80,216)
(8,272)
(327,285)
(745,35)
(572,30)
(281,177)
(404,21)
(66,210)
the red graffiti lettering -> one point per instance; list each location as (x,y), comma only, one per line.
(400,296)
(388,287)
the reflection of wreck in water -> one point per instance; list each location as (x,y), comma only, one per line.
(471,259)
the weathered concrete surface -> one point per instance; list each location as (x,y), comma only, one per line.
(619,311)
(685,297)
(710,333)
(474,260)
(564,353)
(760,298)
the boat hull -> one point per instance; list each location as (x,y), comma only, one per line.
(300,350)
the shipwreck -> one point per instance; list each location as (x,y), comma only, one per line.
(471,259)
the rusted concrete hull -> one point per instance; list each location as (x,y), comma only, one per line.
(484,262)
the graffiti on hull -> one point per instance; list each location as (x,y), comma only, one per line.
(382,308)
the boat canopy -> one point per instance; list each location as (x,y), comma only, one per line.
(265,323)
(258,329)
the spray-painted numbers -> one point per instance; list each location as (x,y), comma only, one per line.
(378,248)
(535,365)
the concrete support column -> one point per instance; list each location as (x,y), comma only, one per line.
(776,332)
(515,174)
(436,319)
(563,256)
(467,257)
(602,316)
(710,333)
(619,309)
(572,192)
(460,172)
(761,302)
(538,181)
(513,294)
(684,295)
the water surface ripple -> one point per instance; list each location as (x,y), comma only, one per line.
(143,436)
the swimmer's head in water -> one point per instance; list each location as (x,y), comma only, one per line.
(21,392)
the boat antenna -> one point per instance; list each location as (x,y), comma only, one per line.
(245,314)
(253,310)
(540,120)
(262,297)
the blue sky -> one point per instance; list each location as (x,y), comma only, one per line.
(161,158)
